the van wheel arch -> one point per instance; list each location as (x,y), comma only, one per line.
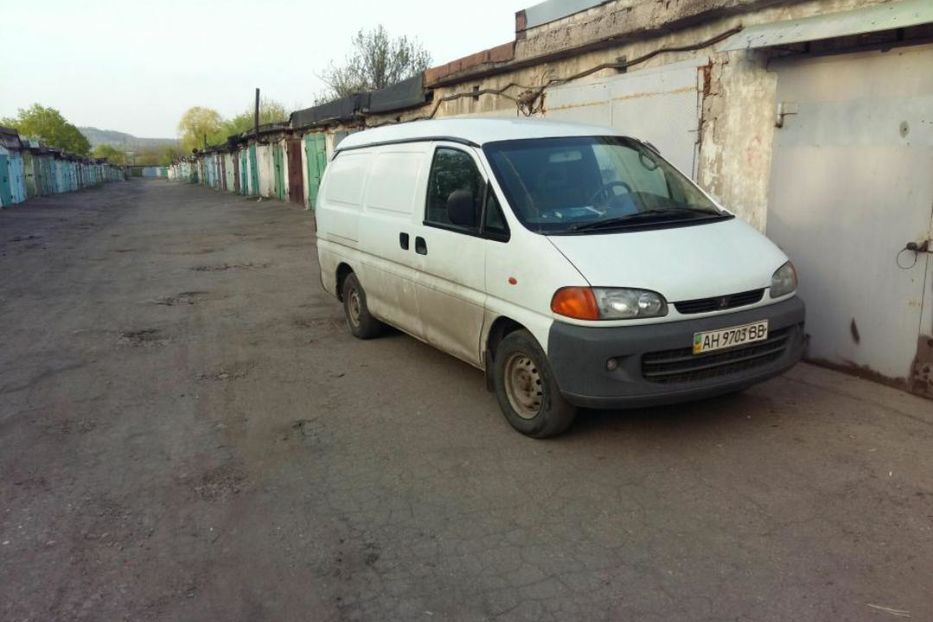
(343,271)
(527,390)
(501,327)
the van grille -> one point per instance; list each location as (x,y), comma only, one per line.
(719,303)
(681,365)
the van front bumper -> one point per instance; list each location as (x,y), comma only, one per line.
(655,361)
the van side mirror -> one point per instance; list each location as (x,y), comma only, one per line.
(460,209)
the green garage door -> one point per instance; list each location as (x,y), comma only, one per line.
(316,153)
(6,194)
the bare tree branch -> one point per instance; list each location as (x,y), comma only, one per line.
(378,60)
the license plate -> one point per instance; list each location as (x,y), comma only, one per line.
(710,340)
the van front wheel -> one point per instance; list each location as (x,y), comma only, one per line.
(526,389)
(361,324)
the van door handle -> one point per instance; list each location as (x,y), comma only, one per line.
(421,247)
(403,241)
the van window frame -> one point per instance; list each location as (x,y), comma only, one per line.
(719,213)
(480,231)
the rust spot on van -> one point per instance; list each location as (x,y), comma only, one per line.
(513,280)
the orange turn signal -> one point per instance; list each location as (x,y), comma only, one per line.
(576,302)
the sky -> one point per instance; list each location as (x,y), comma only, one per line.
(137,66)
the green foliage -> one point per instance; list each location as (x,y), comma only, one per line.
(198,123)
(110,153)
(270,111)
(199,126)
(50,127)
(378,60)
(167,155)
(154,155)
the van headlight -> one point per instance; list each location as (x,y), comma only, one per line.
(608,303)
(784,280)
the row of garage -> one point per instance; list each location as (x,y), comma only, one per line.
(279,162)
(812,120)
(28,169)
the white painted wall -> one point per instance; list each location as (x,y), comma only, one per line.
(851,185)
(657,105)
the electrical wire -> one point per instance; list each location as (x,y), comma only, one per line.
(525,101)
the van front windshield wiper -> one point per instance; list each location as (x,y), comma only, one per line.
(678,213)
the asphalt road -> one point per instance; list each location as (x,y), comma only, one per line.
(188,432)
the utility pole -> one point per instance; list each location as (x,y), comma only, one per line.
(256,116)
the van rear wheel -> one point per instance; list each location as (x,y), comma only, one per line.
(526,389)
(361,324)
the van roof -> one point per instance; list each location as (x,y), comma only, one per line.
(477,131)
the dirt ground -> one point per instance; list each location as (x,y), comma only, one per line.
(188,432)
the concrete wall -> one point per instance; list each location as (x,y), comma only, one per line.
(734,92)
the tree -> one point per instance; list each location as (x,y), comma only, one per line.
(167,155)
(378,60)
(270,111)
(110,153)
(198,124)
(157,156)
(50,127)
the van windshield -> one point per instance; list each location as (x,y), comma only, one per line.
(595,184)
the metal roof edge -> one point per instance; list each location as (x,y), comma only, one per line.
(553,10)
(875,18)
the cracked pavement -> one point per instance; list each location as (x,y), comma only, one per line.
(188,432)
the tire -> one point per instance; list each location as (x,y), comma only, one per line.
(527,390)
(361,323)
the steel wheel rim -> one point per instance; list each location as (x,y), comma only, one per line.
(354,307)
(523,386)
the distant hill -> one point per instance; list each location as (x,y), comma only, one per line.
(122,140)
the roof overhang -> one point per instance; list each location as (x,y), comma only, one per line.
(553,10)
(886,16)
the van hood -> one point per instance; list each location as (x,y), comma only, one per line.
(682,263)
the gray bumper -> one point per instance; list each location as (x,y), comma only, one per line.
(656,365)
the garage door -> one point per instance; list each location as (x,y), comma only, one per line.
(851,187)
(658,105)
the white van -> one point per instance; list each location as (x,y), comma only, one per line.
(572,263)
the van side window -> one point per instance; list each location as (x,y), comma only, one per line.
(455,191)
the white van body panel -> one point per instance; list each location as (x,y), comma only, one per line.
(330,256)
(451,276)
(533,262)
(343,191)
(682,263)
(477,131)
(537,268)
(379,186)
(375,189)
(395,179)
